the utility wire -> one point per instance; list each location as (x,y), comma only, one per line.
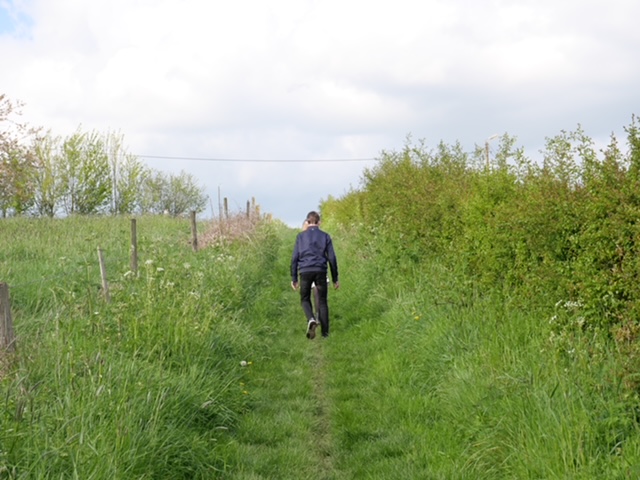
(256,160)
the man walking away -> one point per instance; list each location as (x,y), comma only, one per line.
(312,252)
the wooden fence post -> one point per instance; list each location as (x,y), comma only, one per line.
(194,232)
(226,209)
(103,275)
(7,337)
(134,247)
(248,209)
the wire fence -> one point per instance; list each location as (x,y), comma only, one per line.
(102,268)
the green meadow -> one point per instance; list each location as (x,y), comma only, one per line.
(198,367)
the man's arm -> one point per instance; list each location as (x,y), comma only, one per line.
(294,266)
(333,262)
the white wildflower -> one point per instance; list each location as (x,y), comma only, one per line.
(572,304)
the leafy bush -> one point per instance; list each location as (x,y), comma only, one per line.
(562,230)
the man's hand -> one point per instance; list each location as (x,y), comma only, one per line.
(294,285)
(336,285)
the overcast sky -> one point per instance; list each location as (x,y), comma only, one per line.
(317,80)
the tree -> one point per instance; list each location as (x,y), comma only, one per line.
(171,194)
(154,183)
(16,182)
(184,195)
(128,183)
(47,175)
(126,175)
(85,174)
(16,161)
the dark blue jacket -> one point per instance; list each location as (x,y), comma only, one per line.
(312,252)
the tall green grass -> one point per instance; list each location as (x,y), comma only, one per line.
(141,387)
(424,376)
(431,379)
(530,272)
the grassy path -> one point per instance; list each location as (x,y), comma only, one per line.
(420,379)
(286,432)
(333,409)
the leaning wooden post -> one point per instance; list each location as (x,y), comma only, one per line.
(194,232)
(7,337)
(134,247)
(103,275)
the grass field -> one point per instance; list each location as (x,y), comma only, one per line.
(199,368)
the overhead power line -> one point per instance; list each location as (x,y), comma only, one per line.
(258,160)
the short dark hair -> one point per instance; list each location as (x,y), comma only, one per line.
(313,218)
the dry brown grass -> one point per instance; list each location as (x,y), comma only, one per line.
(232,228)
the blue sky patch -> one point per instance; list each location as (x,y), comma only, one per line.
(12,20)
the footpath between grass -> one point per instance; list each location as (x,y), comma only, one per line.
(285,432)
(421,378)
(339,408)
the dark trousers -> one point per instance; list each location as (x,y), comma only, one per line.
(320,279)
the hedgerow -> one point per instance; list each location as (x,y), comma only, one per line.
(560,230)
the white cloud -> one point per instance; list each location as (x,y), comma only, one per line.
(318,79)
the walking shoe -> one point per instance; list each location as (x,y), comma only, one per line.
(311,329)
